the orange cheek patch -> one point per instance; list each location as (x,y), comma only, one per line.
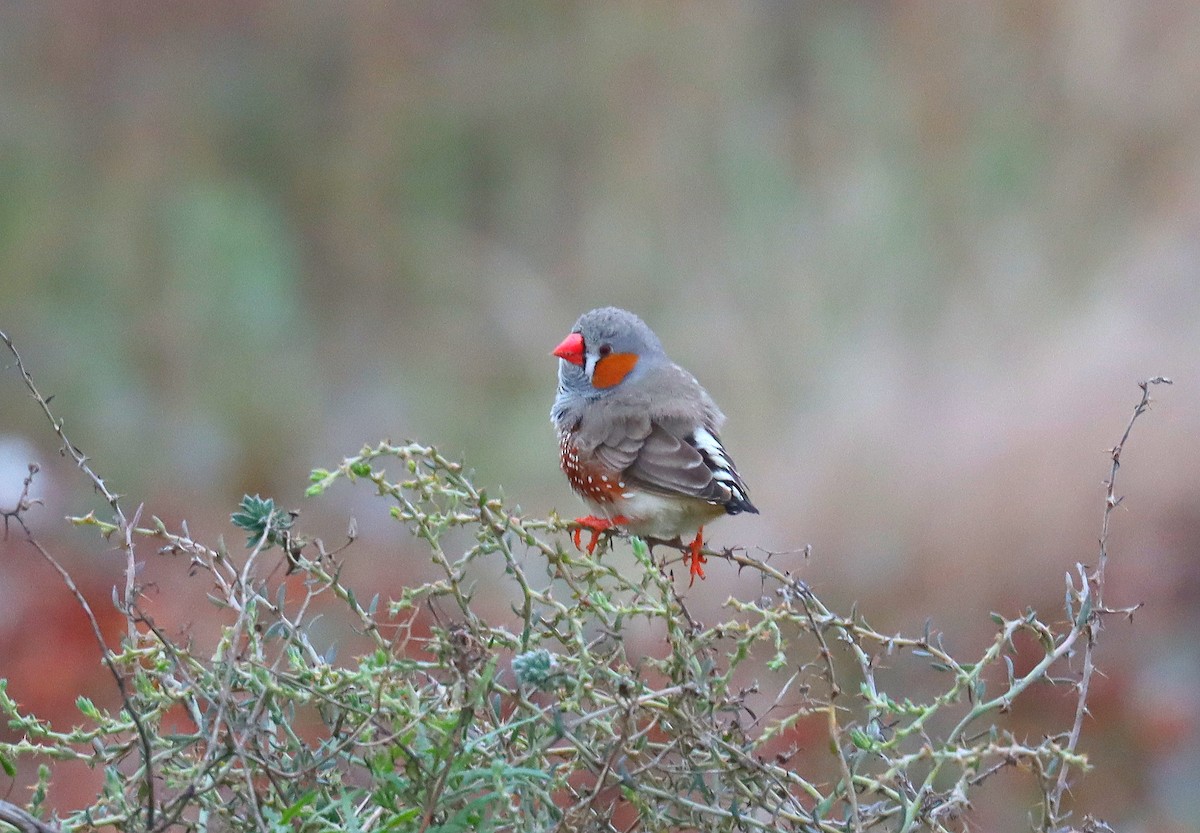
(612,369)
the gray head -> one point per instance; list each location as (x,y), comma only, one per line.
(608,349)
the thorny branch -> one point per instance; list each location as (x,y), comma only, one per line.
(13,815)
(81,461)
(1091,595)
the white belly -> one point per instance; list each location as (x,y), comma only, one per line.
(656,516)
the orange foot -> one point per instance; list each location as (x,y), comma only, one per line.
(596,526)
(696,557)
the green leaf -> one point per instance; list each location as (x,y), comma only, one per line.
(537,668)
(290,812)
(87,707)
(259,517)
(640,551)
(823,807)
(859,738)
(1085,610)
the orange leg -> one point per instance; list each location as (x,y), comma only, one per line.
(596,526)
(696,557)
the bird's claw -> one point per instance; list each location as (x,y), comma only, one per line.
(696,558)
(596,526)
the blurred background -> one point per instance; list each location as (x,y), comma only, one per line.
(920,253)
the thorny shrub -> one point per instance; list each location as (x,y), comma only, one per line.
(544,719)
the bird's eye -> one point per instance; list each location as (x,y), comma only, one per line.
(605,349)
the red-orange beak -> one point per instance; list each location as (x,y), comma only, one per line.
(571,349)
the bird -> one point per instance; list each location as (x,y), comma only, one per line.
(639,437)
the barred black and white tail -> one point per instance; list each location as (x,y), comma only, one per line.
(723,471)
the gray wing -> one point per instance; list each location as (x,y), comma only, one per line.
(660,459)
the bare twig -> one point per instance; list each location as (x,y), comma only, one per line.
(1092,595)
(81,461)
(71,450)
(24,502)
(13,815)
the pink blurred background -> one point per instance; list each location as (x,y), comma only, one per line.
(920,253)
